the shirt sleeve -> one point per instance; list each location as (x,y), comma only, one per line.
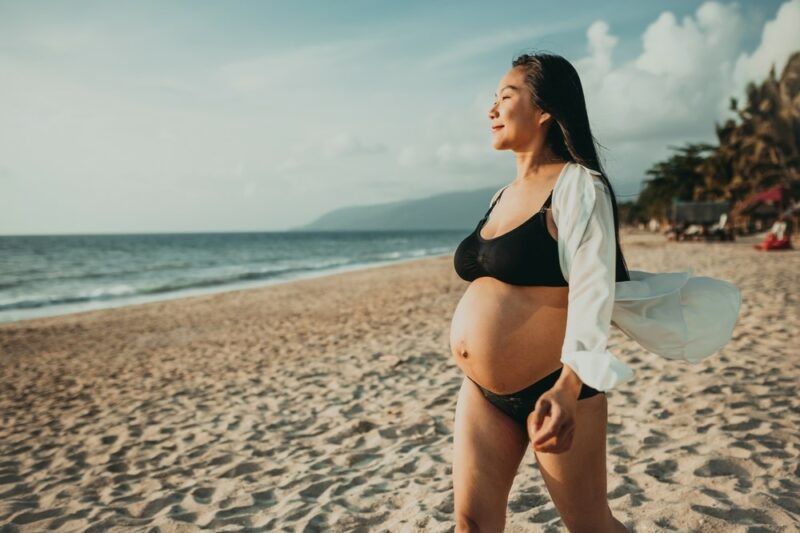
(592,281)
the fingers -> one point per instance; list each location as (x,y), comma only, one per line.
(561,443)
(552,427)
(556,435)
(549,431)
(540,410)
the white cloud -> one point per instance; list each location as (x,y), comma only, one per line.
(407,156)
(468,152)
(344,144)
(675,87)
(601,43)
(779,39)
(688,49)
(681,82)
(594,67)
(338,146)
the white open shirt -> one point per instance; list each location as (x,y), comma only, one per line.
(672,314)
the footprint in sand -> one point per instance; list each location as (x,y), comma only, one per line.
(662,470)
(721,467)
(203,495)
(726,467)
(654,439)
(735,515)
(742,426)
(262,499)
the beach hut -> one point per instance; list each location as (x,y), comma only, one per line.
(700,220)
(762,209)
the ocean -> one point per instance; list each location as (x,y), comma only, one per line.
(60,274)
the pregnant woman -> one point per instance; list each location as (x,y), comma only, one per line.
(531,344)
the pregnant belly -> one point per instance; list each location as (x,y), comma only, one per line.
(505,337)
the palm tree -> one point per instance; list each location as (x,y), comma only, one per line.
(678,178)
(762,149)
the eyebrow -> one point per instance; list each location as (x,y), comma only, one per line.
(508,87)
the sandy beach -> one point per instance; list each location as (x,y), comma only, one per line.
(327,405)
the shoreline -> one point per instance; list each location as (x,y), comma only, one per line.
(63,310)
(100,305)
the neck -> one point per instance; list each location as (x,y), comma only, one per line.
(538,166)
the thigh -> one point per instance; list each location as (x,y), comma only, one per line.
(576,479)
(488,447)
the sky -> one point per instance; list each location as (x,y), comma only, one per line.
(194,116)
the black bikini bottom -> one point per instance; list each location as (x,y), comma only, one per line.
(518,405)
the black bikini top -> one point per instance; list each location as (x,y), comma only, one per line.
(526,255)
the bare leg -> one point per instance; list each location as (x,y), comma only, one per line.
(577,479)
(488,447)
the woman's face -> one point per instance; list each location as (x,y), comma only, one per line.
(515,123)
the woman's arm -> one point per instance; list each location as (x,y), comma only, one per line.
(569,382)
(584,217)
(592,281)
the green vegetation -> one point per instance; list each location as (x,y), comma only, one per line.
(759,149)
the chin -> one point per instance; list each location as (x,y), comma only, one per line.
(499,145)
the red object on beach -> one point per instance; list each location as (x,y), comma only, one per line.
(776,239)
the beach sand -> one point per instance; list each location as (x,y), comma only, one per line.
(327,405)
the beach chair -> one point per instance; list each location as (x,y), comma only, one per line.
(719,229)
(776,239)
(693,232)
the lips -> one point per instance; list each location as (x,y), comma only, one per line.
(495,128)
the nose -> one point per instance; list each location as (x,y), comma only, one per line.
(493,111)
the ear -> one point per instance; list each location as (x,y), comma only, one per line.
(544,117)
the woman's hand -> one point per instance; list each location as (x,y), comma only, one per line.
(552,422)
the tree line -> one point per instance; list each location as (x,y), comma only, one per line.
(756,150)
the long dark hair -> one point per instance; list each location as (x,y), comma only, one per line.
(556,88)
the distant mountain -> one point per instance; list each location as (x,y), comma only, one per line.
(447,211)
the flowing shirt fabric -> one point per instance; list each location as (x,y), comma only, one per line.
(674,315)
